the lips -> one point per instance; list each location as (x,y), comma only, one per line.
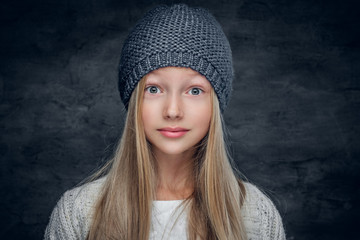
(173,132)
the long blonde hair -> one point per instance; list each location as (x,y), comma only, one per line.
(123,209)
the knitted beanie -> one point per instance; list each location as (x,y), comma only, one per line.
(178,36)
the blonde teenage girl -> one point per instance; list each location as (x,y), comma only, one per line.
(170,177)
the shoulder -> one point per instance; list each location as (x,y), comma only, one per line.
(71,216)
(261,218)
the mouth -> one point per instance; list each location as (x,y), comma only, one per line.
(173,132)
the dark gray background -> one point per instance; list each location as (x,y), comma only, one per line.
(293,118)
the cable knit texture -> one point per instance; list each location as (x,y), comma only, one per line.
(71,218)
(180,36)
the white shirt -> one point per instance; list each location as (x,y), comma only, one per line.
(168,220)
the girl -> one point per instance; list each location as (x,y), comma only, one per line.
(170,177)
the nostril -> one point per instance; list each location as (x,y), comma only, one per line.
(173,108)
(173,114)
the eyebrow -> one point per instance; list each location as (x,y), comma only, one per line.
(200,81)
(197,79)
(193,80)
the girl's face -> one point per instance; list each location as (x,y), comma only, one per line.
(176,109)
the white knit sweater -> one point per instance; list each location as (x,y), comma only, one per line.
(71,218)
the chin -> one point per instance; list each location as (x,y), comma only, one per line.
(173,151)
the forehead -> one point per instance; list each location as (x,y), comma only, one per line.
(176,74)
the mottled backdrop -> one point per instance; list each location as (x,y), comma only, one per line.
(293,119)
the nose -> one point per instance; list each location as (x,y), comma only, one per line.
(173,107)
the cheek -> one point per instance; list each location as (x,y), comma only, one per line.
(202,115)
(146,115)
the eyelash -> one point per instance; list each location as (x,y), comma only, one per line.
(158,90)
(200,91)
(149,87)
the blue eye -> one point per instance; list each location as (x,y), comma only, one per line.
(195,91)
(152,89)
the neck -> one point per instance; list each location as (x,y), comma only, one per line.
(174,173)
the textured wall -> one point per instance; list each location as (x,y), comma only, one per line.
(294,116)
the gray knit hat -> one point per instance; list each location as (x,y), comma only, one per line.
(179,36)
